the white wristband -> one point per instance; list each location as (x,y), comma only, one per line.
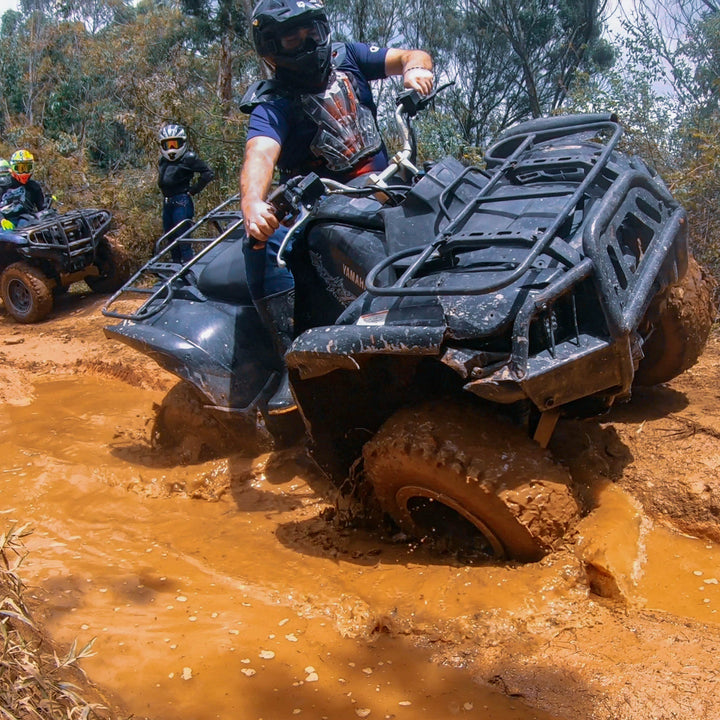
(418,67)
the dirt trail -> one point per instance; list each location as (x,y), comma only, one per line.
(225,589)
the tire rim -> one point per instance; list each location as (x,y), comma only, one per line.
(19,296)
(405,494)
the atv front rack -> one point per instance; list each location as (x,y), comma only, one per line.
(161,277)
(452,241)
(74,233)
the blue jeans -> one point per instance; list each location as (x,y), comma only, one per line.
(176,209)
(263,274)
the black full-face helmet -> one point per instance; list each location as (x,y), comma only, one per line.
(293,36)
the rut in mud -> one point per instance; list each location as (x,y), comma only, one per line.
(228,588)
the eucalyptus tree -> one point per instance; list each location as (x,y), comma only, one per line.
(681,39)
(672,37)
(509,59)
(520,58)
(223,25)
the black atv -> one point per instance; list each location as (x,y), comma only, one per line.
(446,318)
(43,253)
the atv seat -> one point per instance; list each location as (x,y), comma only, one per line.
(223,277)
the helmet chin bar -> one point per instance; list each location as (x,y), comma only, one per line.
(308,72)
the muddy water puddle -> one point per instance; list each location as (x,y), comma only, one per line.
(255,606)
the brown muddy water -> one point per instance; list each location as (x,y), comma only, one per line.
(221,589)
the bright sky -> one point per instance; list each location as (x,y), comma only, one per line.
(8,5)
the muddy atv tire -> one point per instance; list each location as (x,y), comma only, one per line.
(681,318)
(113,262)
(184,424)
(456,472)
(26,292)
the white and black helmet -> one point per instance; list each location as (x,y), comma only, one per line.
(173,141)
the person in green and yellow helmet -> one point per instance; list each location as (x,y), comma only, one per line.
(5,180)
(23,196)
(22,165)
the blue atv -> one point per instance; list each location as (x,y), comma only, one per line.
(445,318)
(43,253)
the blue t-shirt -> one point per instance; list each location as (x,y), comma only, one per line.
(279,118)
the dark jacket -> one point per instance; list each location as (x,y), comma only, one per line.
(34,195)
(176,177)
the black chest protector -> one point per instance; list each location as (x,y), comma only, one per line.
(346,129)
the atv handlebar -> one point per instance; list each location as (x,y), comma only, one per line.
(300,191)
(411,102)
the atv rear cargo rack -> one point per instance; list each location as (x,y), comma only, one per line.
(161,277)
(627,270)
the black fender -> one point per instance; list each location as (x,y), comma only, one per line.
(221,349)
(10,239)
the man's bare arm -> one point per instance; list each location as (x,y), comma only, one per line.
(261,156)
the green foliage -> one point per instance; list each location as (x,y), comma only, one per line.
(696,184)
(88,97)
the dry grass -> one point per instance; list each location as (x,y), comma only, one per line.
(35,682)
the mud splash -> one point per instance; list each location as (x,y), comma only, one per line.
(257,605)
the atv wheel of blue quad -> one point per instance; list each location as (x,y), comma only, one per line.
(113,264)
(26,292)
(460,476)
(185,425)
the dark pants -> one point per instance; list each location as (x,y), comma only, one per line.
(263,274)
(176,209)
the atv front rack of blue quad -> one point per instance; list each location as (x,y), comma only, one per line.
(75,232)
(159,279)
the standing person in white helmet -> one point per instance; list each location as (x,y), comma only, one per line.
(177,171)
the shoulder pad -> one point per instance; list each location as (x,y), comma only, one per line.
(259,92)
(339,53)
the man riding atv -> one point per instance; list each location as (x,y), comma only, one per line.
(5,177)
(294,125)
(23,195)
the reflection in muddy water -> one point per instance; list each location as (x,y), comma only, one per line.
(255,606)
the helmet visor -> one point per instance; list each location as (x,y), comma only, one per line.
(23,168)
(171,143)
(296,39)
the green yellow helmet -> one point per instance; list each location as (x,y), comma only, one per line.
(4,167)
(21,165)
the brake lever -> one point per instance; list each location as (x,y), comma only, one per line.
(412,101)
(299,223)
(427,99)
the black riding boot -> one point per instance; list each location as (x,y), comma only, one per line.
(277,313)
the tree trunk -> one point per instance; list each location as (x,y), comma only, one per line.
(225,73)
